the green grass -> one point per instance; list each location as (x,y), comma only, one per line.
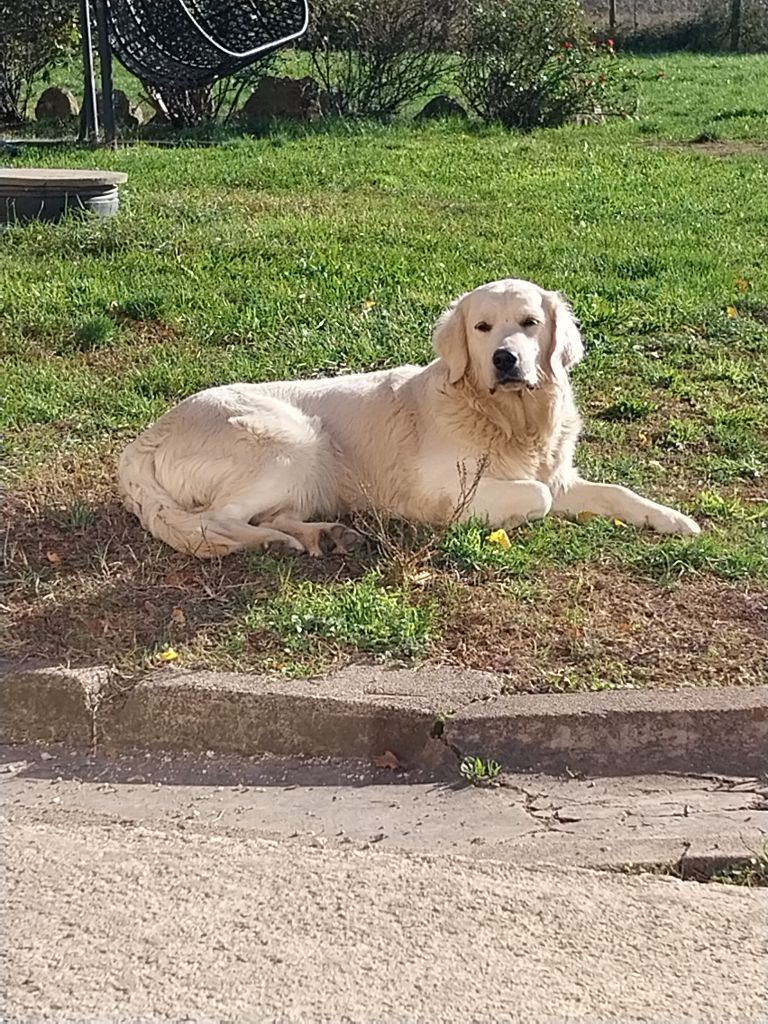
(318,250)
(667,560)
(364,615)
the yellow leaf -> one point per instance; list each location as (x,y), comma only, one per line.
(369,303)
(743,285)
(168,654)
(732,311)
(500,537)
(585,517)
(618,522)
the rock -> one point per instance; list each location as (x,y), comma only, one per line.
(127,114)
(441,106)
(57,104)
(296,98)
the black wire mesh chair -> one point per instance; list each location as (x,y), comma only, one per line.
(192,43)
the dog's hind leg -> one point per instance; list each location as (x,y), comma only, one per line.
(318,539)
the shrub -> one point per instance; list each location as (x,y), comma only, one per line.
(33,36)
(533,65)
(373,59)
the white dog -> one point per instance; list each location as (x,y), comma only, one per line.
(277,464)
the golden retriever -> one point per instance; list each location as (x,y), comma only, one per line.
(278,464)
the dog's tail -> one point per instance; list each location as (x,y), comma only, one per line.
(202,533)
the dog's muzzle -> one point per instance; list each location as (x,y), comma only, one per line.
(507,367)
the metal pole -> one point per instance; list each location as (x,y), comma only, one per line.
(89,118)
(734,27)
(105,64)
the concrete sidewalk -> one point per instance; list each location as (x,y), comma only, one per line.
(697,822)
(152,888)
(110,921)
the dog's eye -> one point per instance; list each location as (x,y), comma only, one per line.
(483,326)
(530,321)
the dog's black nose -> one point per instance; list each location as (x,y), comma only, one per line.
(504,360)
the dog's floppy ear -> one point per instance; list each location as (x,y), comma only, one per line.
(450,340)
(566,348)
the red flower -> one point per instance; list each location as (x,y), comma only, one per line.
(567,46)
(610,43)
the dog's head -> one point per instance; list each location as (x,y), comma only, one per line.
(509,335)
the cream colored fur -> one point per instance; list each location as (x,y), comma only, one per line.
(257,465)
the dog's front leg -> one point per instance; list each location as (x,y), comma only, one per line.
(620,503)
(507,502)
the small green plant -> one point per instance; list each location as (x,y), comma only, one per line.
(718,506)
(679,434)
(144,308)
(94,333)
(608,677)
(466,546)
(479,771)
(675,558)
(627,410)
(363,614)
(76,517)
(753,873)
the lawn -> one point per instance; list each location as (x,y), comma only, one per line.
(321,250)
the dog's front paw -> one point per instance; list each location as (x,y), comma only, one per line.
(670,521)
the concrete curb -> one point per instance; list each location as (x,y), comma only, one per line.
(427,717)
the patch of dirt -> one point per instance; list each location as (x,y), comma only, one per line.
(591,629)
(718,148)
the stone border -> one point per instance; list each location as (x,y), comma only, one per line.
(427,717)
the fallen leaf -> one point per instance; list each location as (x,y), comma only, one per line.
(743,285)
(178,618)
(500,537)
(732,311)
(618,522)
(586,516)
(168,655)
(387,760)
(369,303)
(53,557)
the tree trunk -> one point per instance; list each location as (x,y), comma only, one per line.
(612,16)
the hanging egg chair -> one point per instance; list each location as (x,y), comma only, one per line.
(193,43)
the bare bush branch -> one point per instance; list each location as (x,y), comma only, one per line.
(373,59)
